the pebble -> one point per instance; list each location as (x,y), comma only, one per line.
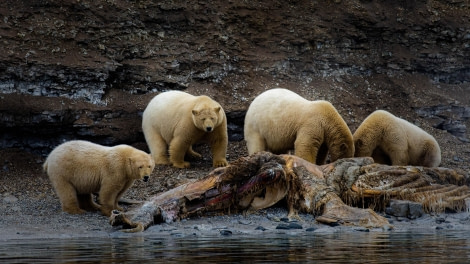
(260,228)
(10,199)
(177,234)
(244,222)
(273,218)
(225,232)
(289,226)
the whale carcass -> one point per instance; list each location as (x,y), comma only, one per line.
(328,191)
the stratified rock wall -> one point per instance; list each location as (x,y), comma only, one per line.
(86,69)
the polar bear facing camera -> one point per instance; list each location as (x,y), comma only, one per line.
(173,121)
(279,120)
(79,168)
(391,140)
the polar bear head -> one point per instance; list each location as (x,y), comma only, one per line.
(141,164)
(206,119)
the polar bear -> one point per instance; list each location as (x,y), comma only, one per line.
(391,140)
(79,168)
(279,120)
(176,120)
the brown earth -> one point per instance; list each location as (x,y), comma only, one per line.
(87,69)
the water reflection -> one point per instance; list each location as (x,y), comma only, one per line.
(358,247)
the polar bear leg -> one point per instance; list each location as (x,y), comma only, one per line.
(255,143)
(178,148)
(322,154)
(307,147)
(68,197)
(108,195)
(158,148)
(381,157)
(218,149)
(193,154)
(398,155)
(431,156)
(120,194)
(86,202)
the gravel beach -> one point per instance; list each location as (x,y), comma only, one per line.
(31,210)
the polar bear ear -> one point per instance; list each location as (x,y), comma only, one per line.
(195,112)
(217,109)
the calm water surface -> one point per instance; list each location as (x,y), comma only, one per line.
(358,247)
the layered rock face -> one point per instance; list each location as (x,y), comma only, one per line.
(87,69)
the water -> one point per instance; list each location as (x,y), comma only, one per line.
(357,247)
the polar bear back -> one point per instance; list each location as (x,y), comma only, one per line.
(161,114)
(404,142)
(278,119)
(84,164)
(267,115)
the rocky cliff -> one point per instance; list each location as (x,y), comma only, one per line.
(86,69)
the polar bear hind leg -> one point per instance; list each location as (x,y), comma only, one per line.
(158,148)
(68,197)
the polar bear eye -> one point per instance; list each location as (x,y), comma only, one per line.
(141,167)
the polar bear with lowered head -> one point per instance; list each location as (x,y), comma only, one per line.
(176,120)
(79,168)
(391,140)
(279,120)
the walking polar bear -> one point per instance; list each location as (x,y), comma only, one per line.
(394,141)
(279,120)
(176,120)
(79,168)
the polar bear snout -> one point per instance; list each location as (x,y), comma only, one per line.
(208,129)
(146,178)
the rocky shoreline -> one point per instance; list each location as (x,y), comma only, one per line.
(31,210)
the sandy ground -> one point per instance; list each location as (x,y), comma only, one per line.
(30,209)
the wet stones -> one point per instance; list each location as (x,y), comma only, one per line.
(401,208)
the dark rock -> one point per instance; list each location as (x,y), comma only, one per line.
(260,228)
(310,229)
(362,229)
(225,232)
(415,210)
(176,234)
(408,209)
(289,226)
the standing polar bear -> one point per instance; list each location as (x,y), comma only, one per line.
(394,141)
(279,120)
(179,120)
(79,168)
